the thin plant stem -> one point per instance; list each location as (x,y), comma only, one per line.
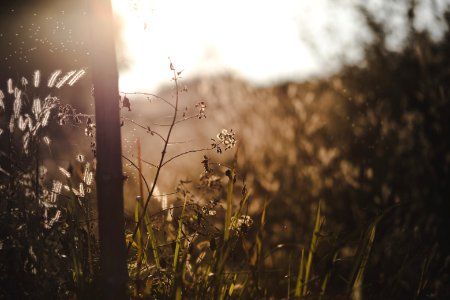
(163,155)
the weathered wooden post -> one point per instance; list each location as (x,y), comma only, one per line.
(109,177)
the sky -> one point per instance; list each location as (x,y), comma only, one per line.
(263,42)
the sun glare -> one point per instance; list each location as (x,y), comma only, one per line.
(209,37)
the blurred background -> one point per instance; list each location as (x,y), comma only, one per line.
(342,102)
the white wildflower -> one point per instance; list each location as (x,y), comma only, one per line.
(11,124)
(63,80)
(170,213)
(164,202)
(17,106)
(243,221)
(88,175)
(26,141)
(45,118)
(46,140)
(22,123)
(52,78)
(80,158)
(17,93)
(37,107)
(55,218)
(9,83)
(64,172)
(24,81)
(56,190)
(76,77)
(81,189)
(36,78)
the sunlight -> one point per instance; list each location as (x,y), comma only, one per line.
(210,37)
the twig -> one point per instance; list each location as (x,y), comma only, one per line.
(184,153)
(145,127)
(149,94)
(163,155)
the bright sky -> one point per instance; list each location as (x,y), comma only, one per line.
(262,41)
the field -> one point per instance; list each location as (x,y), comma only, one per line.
(211,188)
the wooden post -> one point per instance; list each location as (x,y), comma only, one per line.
(109,177)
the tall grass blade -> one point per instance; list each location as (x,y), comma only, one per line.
(363,253)
(299,283)
(231,289)
(362,256)
(288,296)
(327,278)
(312,249)
(178,240)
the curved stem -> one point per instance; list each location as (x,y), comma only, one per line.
(184,153)
(150,94)
(163,155)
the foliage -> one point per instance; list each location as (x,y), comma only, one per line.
(358,204)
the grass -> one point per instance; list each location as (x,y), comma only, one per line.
(204,246)
(207,260)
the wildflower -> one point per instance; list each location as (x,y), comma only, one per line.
(11,124)
(2,104)
(22,123)
(56,189)
(90,127)
(24,81)
(80,158)
(209,212)
(81,189)
(63,80)
(64,172)
(46,140)
(52,78)
(226,138)
(26,141)
(17,106)
(45,118)
(164,202)
(76,77)
(88,175)
(17,93)
(169,217)
(37,78)
(202,109)
(241,224)
(37,107)
(9,84)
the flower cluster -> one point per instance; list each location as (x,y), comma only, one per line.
(226,138)
(201,109)
(90,128)
(241,224)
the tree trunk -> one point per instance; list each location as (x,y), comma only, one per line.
(109,177)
